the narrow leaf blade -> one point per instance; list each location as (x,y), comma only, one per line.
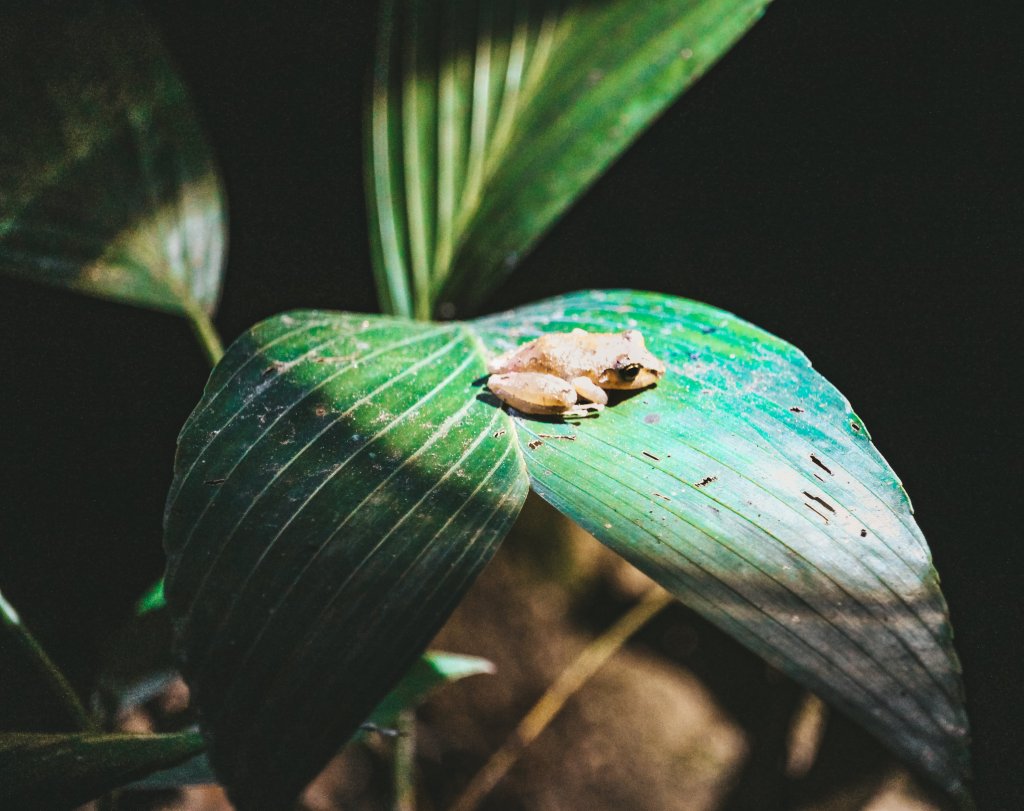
(336,491)
(64,771)
(745,484)
(107,185)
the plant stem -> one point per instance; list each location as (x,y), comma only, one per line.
(51,674)
(579,671)
(405,762)
(206,333)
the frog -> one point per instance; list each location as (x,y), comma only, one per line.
(549,375)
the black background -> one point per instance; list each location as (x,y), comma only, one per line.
(848,177)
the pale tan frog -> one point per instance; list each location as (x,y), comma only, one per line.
(548,375)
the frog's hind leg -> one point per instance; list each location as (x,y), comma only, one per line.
(533,392)
(589,390)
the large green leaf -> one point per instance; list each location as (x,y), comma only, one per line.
(489,118)
(64,771)
(106,183)
(345,476)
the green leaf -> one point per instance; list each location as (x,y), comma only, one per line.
(152,600)
(336,491)
(64,771)
(488,119)
(107,186)
(430,671)
(345,477)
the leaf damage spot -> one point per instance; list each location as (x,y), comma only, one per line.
(796,409)
(570,437)
(650,455)
(706,481)
(498,433)
(855,426)
(215,481)
(320,411)
(534,444)
(821,501)
(659,495)
(652,419)
(821,464)
(863,533)
(822,517)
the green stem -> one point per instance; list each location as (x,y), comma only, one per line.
(579,671)
(405,762)
(207,334)
(46,668)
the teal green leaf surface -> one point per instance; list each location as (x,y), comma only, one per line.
(65,771)
(107,185)
(345,477)
(336,491)
(489,118)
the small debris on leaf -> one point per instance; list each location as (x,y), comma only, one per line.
(650,455)
(706,481)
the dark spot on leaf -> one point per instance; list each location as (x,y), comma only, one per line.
(499,433)
(659,495)
(708,330)
(863,533)
(535,443)
(650,455)
(570,437)
(215,481)
(854,426)
(652,419)
(321,410)
(706,481)
(821,464)
(822,517)
(821,501)
(796,410)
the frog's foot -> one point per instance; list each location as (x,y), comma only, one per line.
(589,390)
(584,410)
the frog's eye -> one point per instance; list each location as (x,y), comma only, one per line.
(630,372)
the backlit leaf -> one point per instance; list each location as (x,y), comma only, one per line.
(489,118)
(107,186)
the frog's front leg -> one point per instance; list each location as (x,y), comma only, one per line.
(533,392)
(587,388)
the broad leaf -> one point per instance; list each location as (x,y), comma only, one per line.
(345,476)
(489,118)
(64,771)
(106,183)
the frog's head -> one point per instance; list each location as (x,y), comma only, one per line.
(634,366)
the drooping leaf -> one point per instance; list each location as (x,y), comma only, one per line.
(64,771)
(489,118)
(431,670)
(345,476)
(107,186)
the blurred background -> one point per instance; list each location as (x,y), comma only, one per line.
(849,177)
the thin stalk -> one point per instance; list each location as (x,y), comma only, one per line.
(44,665)
(569,681)
(206,333)
(405,762)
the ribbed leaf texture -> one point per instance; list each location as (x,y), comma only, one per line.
(345,477)
(107,185)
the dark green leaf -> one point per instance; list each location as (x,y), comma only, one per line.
(344,478)
(336,491)
(106,184)
(64,771)
(489,118)
(430,671)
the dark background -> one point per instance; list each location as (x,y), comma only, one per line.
(848,177)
